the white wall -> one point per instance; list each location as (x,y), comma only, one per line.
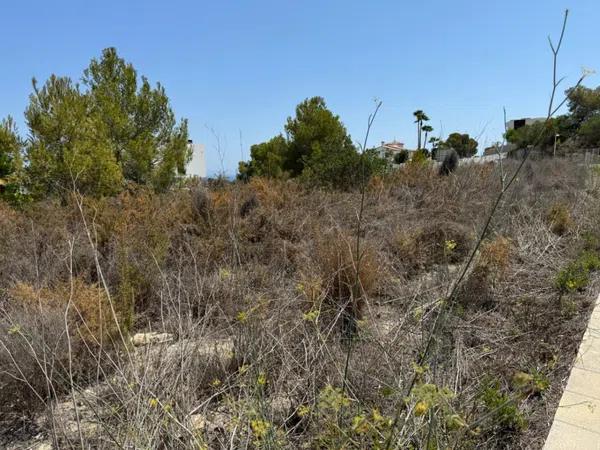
(198,164)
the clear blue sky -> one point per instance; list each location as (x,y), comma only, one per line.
(244,65)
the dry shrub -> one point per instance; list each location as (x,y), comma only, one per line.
(135,234)
(237,277)
(311,287)
(11,224)
(269,192)
(89,314)
(222,199)
(559,219)
(435,243)
(8,217)
(31,346)
(201,203)
(476,291)
(248,205)
(376,185)
(348,280)
(34,345)
(495,255)
(494,260)
(141,220)
(415,175)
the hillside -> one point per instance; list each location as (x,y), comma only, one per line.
(272,333)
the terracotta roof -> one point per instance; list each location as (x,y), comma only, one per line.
(394,145)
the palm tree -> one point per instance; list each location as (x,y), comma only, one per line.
(427,129)
(420,117)
(435,143)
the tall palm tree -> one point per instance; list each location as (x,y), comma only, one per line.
(420,117)
(427,129)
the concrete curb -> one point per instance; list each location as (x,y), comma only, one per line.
(577,420)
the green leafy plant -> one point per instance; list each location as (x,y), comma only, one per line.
(339,427)
(501,408)
(576,275)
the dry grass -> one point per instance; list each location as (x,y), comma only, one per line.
(88,314)
(559,219)
(271,269)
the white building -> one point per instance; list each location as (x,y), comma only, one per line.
(519,123)
(197,166)
(390,149)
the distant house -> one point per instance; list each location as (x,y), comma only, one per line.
(197,165)
(388,150)
(493,150)
(515,124)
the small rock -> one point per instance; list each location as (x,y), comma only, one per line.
(151,338)
(219,352)
(46,445)
(197,422)
(281,406)
(221,349)
(210,423)
(453,268)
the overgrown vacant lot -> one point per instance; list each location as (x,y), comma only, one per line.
(279,335)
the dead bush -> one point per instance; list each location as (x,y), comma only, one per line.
(476,292)
(33,357)
(559,219)
(275,282)
(270,192)
(37,354)
(414,175)
(201,204)
(134,234)
(435,243)
(89,315)
(495,255)
(347,280)
(248,206)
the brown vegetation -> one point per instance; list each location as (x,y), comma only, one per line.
(273,268)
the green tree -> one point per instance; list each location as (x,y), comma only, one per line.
(315,130)
(401,157)
(334,167)
(267,158)
(318,149)
(589,131)
(145,138)
(111,131)
(583,103)
(420,156)
(584,106)
(245,171)
(420,117)
(542,134)
(10,160)
(464,145)
(69,147)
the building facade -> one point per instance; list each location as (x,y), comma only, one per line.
(197,166)
(388,150)
(515,124)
